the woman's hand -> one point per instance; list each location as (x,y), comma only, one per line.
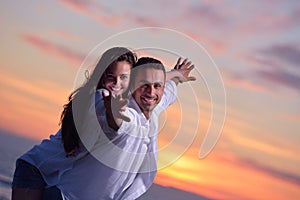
(115,107)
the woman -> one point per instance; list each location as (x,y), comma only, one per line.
(38,171)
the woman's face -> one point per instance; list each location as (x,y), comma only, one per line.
(117,78)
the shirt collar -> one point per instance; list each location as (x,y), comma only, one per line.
(133,104)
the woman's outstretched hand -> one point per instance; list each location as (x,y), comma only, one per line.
(115,107)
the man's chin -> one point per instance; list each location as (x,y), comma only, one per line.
(148,108)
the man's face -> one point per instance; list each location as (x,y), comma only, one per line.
(148,89)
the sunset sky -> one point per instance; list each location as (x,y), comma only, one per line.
(252,47)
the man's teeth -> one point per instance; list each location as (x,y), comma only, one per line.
(148,99)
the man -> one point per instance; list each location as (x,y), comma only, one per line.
(136,141)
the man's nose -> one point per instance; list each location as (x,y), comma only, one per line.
(151,90)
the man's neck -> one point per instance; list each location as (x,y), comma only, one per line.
(147,114)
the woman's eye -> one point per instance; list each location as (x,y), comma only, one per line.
(110,77)
(124,77)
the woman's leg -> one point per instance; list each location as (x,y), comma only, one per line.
(52,193)
(26,194)
(28,183)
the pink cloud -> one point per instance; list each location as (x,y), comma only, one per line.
(269,18)
(142,20)
(275,66)
(108,17)
(52,49)
(105,15)
(214,47)
(66,35)
(235,23)
(288,53)
(92,10)
(262,80)
(246,84)
(281,78)
(237,80)
(206,14)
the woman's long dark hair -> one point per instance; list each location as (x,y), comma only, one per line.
(82,96)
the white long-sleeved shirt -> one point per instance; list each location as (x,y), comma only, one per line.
(116,165)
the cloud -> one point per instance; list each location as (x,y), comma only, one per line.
(238,80)
(263,18)
(52,49)
(273,66)
(244,83)
(66,35)
(281,78)
(288,53)
(93,10)
(246,164)
(270,171)
(274,147)
(205,14)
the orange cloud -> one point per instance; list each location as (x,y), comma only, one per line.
(215,47)
(52,49)
(264,146)
(223,176)
(28,108)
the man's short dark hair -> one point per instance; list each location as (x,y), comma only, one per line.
(146,63)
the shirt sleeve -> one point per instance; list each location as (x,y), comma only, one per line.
(131,126)
(99,103)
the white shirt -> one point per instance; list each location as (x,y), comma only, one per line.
(120,165)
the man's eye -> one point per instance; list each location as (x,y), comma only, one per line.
(157,85)
(145,86)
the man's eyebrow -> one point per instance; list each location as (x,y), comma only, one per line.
(143,81)
(147,82)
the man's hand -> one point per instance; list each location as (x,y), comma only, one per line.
(181,71)
(115,107)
